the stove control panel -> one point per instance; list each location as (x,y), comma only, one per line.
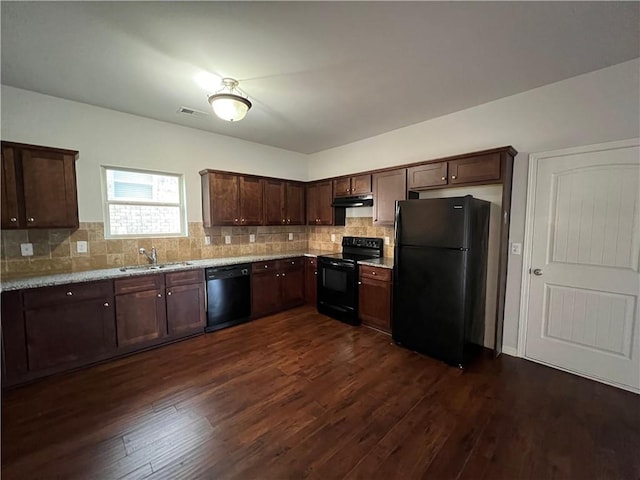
(362,242)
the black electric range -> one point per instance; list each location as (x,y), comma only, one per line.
(338,277)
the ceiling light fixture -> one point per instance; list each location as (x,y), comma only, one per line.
(230,103)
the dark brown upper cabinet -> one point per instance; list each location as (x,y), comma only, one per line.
(476,170)
(230,199)
(38,187)
(348,186)
(283,202)
(319,209)
(387,188)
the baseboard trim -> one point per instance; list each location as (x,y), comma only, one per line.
(512,352)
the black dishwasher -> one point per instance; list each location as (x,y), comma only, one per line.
(228,296)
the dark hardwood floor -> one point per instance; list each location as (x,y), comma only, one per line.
(298,395)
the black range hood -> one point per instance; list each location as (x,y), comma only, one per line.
(355,201)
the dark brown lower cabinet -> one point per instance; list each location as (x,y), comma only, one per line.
(276,285)
(375,293)
(311,280)
(185,309)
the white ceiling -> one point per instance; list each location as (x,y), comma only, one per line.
(320,74)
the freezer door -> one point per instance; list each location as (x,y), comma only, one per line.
(428,300)
(434,222)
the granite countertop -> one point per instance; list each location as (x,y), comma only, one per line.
(111,273)
(382,262)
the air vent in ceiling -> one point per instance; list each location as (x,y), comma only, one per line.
(192,112)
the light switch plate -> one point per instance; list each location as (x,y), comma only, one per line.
(387,241)
(81,246)
(333,237)
(291,236)
(207,240)
(26,249)
(227,239)
(252,238)
(516,248)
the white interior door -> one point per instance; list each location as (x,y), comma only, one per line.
(582,312)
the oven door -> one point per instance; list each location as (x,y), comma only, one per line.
(338,290)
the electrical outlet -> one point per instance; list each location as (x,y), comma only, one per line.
(227,239)
(516,248)
(291,236)
(26,249)
(207,240)
(252,238)
(333,237)
(387,241)
(81,246)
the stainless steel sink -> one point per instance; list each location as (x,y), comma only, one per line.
(154,267)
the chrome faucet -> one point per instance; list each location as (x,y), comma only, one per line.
(153,258)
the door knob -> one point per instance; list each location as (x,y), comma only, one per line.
(537,272)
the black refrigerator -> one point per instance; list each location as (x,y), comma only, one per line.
(440,271)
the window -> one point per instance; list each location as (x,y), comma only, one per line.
(140,203)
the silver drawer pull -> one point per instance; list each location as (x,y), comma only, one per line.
(444,178)
(69,294)
(277,274)
(169,293)
(283,274)
(13,219)
(453,177)
(373,273)
(159,295)
(31,219)
(106,304)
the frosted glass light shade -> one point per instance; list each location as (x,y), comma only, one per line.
(229,107)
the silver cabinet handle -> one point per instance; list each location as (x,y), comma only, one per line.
(453,177)
(373,273)
(242,220)
(69,294)
(315,273)
(235,220)
(106,304)
(293,263)
(159,295)
(359,283)
(288,220)
(537,272)
(266,266)
(13,219)
(283,220)
(444,178)
(277,274)
(283,274)
(169,293)
(31,219)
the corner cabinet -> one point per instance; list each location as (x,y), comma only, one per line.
(38,187)
(319,209)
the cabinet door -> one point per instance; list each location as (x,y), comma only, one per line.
(72,334)
(485,168)
(375,303)
(14,344)
(361,184)
(251,201)
(425,176)
(295,204)
(342,187)
(224,198)
(387,188)
(311,281)
(265,293)
(325,199)
(274,193)
(185,309)
(11,217)
(312,204)
(49,181)
(292,286)
(140,317)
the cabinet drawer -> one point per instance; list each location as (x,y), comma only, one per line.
(74,292)
(265,266)
(377,273)
(288,263)
(184,278)
(139,284)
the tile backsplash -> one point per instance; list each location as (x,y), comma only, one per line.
(55,250)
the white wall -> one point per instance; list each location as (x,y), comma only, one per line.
(107,137)
(596,107)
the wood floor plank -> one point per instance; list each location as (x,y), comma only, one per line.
(298,395)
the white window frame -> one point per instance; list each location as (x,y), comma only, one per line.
(106,202)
